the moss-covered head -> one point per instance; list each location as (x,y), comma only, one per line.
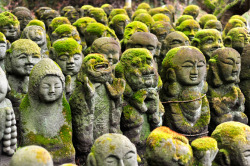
(66,46)
(137,12)
(161,17)
(240,18)
(206,18)
(192,10)
(214,24)
(7,18)
(158,10)
(189,28)
(117,11)
(37,23)
(183,18)
(204,144)
(135,26)
(107,8)
(99,15)
(145,18)
(232,23)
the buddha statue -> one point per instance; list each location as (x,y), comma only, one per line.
(99,15)
(23,15)
(47,16)
(4,46)
(214,24)
(205,18)
(118,24)
(189,28)
(192,10)
(107,8)
(71,13)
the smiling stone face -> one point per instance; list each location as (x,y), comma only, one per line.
(36,34)
(189,28)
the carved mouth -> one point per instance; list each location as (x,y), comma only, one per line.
(70,67)
(148,76)
(100,67)
(193,77)
(29,66)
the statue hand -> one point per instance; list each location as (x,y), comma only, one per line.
(90,88)
(138,100)
(117,88)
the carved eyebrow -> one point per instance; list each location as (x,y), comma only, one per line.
(202,61)
(112,156)
(189,61)
(130,152)
(230,59)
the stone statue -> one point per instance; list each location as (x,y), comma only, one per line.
(146,40)
(56,22)
(232,23)
(237,38)
(4,46)
(118,24)
(225,97)
(99,15)
(39,12)
(71,13)
(85,10)
(67,53)
(162,10)
(214,24)
(45,116)
(95,104)
(189,28)
(240,18)
(37,23)
(47,16)
(161,17)
(184,92)
(115,12)
(23,15)
(107,8)
(38,35)
(112,149)
(205,150)
(142,111)
(32,155)
(19,60)
(137,12)
(167,148)
(192,10)
(9,26)
(183,18)
(143,5)
(108,47)
(8,130)
(145,18)
(205,18)
(207,40)
(233,142)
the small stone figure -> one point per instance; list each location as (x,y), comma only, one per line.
(145,18)
(137,12)
(233,140)
(9,26)
(85,10)
(183,18)
(99,15)
(95,104)
(23,15)
(56,22)
(45,116)
(164,11)
(237,38)
(189,28)
(232,23)
(205,150)
(112,149)
(4,46)
(31,156)
(214,24)
(39,12)
(8,130)
(205,18)
(192,10)
(225,97)
(108,47)
(118,24)
(184,92)
(48,16)
(71,13)
(38,35)
(107,8)
(240,18)
(168,148)
(67,53)
(143,5)
(207,40)
(161,17)
(115,12)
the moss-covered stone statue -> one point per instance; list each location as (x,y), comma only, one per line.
(236,38)
(39,12)
(19,61)
(38,35)
(23,15)
(95,104)
(85,10)
(168,148)
(112,149)
(214,24)
(118,24)
(205,18)
(67,53)
(161,17)
(164,11)
(32,155)
(240,18)
(71,13)
(142,111)
(225,97)
(37,22)
(137,12)
(108,47)
(45,116)
(107,8)
(183,18)
(192,10)
(146,40)
(9,26)
(145,18)
(189,28)
(65,30)
(207,40)
(115,12)
(204,150)
(47,16)
(232,23)
(233,142)
(99,15)
(4,46)
(184,92)
(8,130)
(143,5)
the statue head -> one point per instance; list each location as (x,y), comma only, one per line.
(233,140)
(161,17)
(205,18)
(164,11)
(205,150)
(161,29)
(23,15)
(232,23)
(189,28)
(37,23)
(82,23)
(39,12)
(108,47)
(107,8)
(139,11)
(36,34)
(48,16)
(207,40)
(85,10)
(9,26)
(67,53)
(21,57)
(115,12)
(66,30)
(4,46)
(183,18)
(31,155)
(99,15)
(112,149)
(56,22)
(192,10)
(237,38)
(136,67)
(166,147)
(240,18)
(225,65)
(145,18)
(118,24)
(96,67)
(214,24)
(71,13)
(144,6)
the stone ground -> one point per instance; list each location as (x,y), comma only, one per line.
(4,160)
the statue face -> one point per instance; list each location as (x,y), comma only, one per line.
(24,18)
(50,89)
(189,28)
(72,16)
(130,29)
(240,41)
(100,17)
(229,65)
(3,48)
(11,32)
(37,35)
(73,34)
(111,52)
(241,151)
(23,62)
(119,27)
(190,68)
(173,40)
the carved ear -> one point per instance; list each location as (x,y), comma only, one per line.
(8,44)
(228,41)
(129,44)
(170,75)
(223,158)
(91,160)
(214,74)
(158,49)
(195,42)
(52,53)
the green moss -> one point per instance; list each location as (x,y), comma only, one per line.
(36,22)
(183,18)
(65,29)
(7,18)
(86,7)
(145,18)
(68,45)
(161,17)
(84,20)
(137,12)
(204,144)
(24,45)
(105,5)
(97,57)
(188,23)
(95,29)
(59,21)
(97,13)
(66,110)
(210,4)
(115,12)
(120,17)
(234,32)
(130,114)
(240,18)
(144,6)
(2,38)
(206,18)
(232,23)
(159,10)
(192,10)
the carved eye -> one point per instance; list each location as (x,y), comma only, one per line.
(200,64)
(22,56)
(150,48)
(77,57)
(176,42)
(63,58)
(129,155)
(209,41)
